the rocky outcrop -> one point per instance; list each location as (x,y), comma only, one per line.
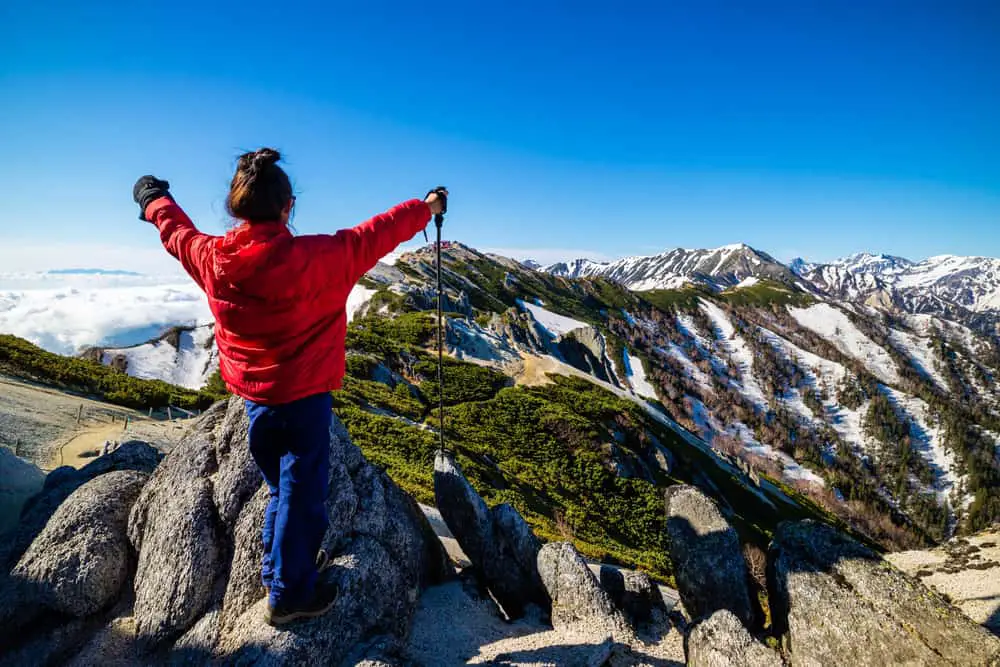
(577,596)
(77,565)
(585,349)
(499,544)
(79,562)
(635,594)
(708,562)
(721,641)
(19,481)
(62,482)
(519,329)
(838,602)
(193,534)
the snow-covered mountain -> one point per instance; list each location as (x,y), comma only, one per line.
(890,422)
(716,268)
(185,356)
(961,288)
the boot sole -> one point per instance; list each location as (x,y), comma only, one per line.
(295,615)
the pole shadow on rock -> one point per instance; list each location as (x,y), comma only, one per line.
(836,601)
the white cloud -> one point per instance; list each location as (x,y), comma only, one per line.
(64,314)
(546,256)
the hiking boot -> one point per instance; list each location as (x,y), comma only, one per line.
(323,563)
(323,597)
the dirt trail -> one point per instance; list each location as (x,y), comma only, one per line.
(86,445)
(50,428)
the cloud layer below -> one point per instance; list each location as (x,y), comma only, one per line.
(65,314)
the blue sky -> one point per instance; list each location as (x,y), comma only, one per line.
(562,129)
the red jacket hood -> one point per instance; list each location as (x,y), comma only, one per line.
(246,249)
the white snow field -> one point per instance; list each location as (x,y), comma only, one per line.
(187,365)
(557,325)
(636,375)
(835,326)
(357,299)
(919,351)
(738,351)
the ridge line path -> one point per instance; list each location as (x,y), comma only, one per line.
(41,424)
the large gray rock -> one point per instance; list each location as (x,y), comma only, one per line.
(244,586)
(709,568)
(635,594)
(196,526)
(59,484)
(238,477)
(81,559)
(19,481)
(577,597)
(721,641)
(840,603)
(373,598)
(497,561)
(524,545)
(181,555)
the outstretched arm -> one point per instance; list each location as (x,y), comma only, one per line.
(177,232)
(181,238)
(360,248)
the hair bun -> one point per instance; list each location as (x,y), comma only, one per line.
(265,157)
(254,161)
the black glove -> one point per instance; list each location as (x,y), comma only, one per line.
(147,190)
(441,192)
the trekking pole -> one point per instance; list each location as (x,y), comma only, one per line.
(438,222)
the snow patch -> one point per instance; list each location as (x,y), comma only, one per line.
(920,354)
(792,470)
(738,350)
(188,365)
(749,281)
(358,298)
(674,350)
(837,327)
(927,436)
(636,375)
(557,325)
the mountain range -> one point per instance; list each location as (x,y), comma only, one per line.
(965,289)
(867,385)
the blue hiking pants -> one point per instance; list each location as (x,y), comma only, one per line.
(291,445)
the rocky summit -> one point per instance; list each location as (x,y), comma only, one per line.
(134,560)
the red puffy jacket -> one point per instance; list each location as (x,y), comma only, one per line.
(279,299)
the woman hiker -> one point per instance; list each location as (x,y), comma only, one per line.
(278,302)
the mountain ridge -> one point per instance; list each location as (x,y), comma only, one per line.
(963,288)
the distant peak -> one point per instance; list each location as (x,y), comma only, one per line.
(91,272)
(865,258)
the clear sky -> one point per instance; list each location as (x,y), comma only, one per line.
(813,128)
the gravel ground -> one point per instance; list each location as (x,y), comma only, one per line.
(966,570)
(452,628)
(36,422)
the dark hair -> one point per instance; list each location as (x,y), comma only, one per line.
(260,189)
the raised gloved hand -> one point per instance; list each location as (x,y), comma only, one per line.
(147,190)
(437,199)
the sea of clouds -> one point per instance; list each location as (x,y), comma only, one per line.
(65,313)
